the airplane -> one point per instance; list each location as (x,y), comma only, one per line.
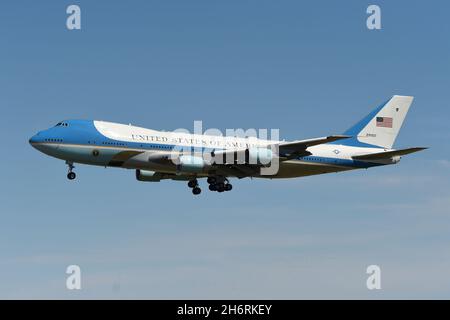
(159,155)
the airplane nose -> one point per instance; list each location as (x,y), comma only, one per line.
(34,139)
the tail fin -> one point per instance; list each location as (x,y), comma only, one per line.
(380,127)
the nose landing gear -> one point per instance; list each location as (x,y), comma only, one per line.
(71,175)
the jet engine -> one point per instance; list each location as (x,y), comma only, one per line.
(146,175)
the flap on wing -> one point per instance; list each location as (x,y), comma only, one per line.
(160,157)
(299,147)
(387,154)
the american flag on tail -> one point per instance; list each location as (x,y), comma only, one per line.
(384,122)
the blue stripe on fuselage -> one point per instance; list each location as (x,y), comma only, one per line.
(339,162)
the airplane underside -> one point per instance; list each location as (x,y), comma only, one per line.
(287,169)
(298,168)
(218,179)
(216,176)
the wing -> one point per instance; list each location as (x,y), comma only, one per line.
(294,149)
(290,149)
(286,151)
(228,164)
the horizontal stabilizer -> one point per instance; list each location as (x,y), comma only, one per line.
(387,154)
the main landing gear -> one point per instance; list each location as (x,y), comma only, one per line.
(71,175)
(193,184)
(219,184)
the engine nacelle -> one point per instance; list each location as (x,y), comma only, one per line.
(396,159)
(260,156)
(187,163)
(146,175)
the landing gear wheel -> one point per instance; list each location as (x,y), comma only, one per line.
(192,183)
(220,187)
(211,180)
(71,175)
(196,190)
(219,184)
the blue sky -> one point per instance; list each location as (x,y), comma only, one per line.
(309,68)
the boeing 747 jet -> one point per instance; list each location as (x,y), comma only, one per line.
(158,155)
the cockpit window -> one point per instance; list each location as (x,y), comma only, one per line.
(58,124)
(64,124)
